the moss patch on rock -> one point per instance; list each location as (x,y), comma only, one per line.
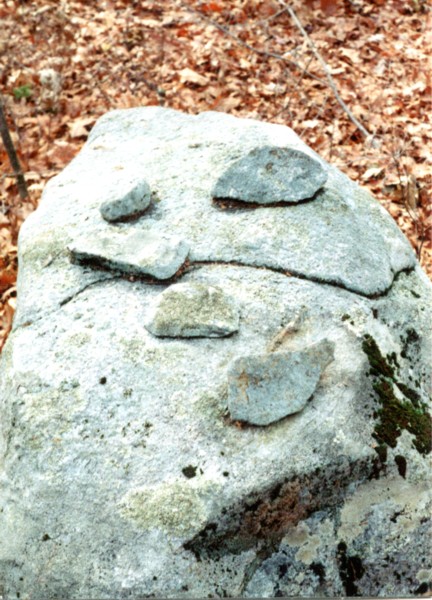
(395,415)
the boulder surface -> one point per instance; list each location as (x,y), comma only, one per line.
(225,396)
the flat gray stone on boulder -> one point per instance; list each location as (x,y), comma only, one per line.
(133,252)
(193,310)
(122,473)
(128,198)
(265,388)
(271,174)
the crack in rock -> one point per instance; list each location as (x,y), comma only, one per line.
(304,276)
(102,263)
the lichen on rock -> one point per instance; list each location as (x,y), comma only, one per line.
(175,507)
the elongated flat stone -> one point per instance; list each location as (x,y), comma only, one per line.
(126,199)
(193,310)
(131,251)
(270,174)
(265,388)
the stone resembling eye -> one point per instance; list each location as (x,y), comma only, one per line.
(269,174)
(126,199)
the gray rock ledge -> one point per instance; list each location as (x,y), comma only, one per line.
(134,252)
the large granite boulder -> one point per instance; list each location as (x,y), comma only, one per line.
(221,391)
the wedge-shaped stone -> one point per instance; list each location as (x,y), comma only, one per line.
(193,310)
(270,174)
(131,251)
(128,198)
(264,388)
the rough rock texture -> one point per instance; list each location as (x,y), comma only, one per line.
(193,310)
(122,473)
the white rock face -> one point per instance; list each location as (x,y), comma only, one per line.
(124,469)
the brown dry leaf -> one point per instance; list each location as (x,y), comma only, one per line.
(402,189)
(61,153)
(373,173)
(80,127)
(189,76)
(229,103)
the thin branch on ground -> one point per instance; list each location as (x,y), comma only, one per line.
(11,152)
(324,65)
(404,182)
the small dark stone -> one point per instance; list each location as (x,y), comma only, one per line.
(319,571)
(350,569)
(189,471)
(422,589)
(283,570)
(401,465)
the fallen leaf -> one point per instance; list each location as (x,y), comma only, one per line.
(80,127)
(189,76)
(372,173)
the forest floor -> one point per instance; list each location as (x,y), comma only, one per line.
(351,77)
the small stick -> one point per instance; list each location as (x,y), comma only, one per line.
(10,149)
(322,62)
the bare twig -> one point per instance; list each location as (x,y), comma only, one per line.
(11,152)
(267,53)
(404,181)
(160,92)
(322,62)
